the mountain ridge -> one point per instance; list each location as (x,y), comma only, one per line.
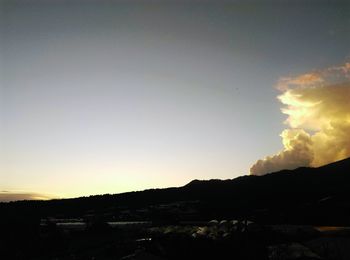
(304,195)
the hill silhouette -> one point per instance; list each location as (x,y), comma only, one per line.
(303,196)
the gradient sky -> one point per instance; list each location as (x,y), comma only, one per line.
(106,97)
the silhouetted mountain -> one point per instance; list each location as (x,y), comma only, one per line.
(305,195)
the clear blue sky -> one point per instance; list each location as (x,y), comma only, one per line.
(106,97)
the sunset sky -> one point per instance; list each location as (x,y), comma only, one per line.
(113,96)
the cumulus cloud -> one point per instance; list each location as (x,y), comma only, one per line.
(317,106)
(297,152)
(308,79)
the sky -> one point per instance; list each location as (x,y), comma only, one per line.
(113,96)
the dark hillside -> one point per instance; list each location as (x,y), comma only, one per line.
(304,195)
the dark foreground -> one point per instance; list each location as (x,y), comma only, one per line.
(210,240)
(285,207)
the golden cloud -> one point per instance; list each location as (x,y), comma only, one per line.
(318,113)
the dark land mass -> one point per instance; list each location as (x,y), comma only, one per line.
(261,209)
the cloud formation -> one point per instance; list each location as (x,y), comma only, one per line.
(6,196)
(317,105)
